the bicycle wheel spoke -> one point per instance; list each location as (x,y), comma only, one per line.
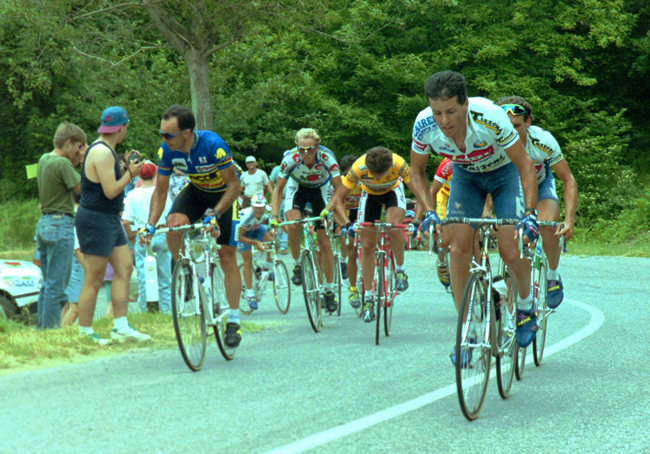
(507,358)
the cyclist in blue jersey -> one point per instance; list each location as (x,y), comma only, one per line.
(213,188)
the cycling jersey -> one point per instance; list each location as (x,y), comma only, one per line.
(249,222)
(443,174)
(359,173)
(208,156)
(352,200)
(489,133)
(542,148)
(324,169)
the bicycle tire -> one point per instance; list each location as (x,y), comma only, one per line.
(220,305)
(281,286)
(521,363)
(310,292)
(189,325)
(506,362)
(390,296)
(542,308)
(362,293)
(244,308)
(472,380)
(338,282)
(380,296)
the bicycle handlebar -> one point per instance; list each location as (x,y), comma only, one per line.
(301,221)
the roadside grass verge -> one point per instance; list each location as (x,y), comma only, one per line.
(21,345)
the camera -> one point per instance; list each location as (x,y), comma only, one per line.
(134,157)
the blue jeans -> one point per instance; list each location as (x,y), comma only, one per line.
(55,238)
(164,263)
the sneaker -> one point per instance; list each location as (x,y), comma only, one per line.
(555,293)
(96,338)
(465,356)
(368,313)
(526,326)
(443,274)
(402,281)
(252,303)
(297,275)
(233,335)
(130,335)
(344,270)
(330,302)
(355,300)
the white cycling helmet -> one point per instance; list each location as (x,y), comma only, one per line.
(258,200)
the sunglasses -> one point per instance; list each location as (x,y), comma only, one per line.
(514,109)
(311,149)
(168,135)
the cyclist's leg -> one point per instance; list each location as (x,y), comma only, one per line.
(247,257)
(189,206)
(549,210)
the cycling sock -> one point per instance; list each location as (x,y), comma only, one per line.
(267,265)
(250,292)
(442,263)
(328,286)
(86,330)
(296,262)
(368,294)
(526,304)
(553,275)
(233,316)
(399,268)
(342,259)
(352,289)
(121,324)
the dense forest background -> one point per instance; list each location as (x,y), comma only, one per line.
(257,71)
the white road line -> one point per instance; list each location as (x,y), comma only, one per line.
(596,321)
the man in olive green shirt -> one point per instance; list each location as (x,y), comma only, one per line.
(57,182)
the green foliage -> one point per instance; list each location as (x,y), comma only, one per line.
(18,221)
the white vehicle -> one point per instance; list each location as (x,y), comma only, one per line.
(20,283)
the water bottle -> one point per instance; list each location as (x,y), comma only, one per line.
(538,255)
(151,278)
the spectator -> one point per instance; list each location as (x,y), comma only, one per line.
(282,235)
(136,213)
(254,182)
(101,234)
(71,309)
(57,183)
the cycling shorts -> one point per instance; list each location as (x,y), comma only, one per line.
(370,206)
(546,189)
(298,196)
(257,235)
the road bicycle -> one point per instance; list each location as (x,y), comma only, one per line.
(384,282)
(198,295)
(260,278)
(486,326)
(335,239)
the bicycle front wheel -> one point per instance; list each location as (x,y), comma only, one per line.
(244,308)
(311,292)
(188,316)
(521,363)
(473,357)
(507,342)
(543,311)
(219,307)
(281,286)
(380,296)
(391,294)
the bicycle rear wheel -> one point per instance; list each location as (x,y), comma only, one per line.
(220,308)
(391,293)
(281,286)
(337,284)
(380,297)
(310,290)
(507,342)
(188,316)
(473,374)
(543,310)
(244,308)
(521,363)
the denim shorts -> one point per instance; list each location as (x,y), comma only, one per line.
(99,233)
(469,191)
(257,235)
(546,189)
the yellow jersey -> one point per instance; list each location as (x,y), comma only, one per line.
(359,173)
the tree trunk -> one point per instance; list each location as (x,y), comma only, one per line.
(198,64)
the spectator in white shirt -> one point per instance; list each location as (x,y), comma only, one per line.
(254,182)
(134,217)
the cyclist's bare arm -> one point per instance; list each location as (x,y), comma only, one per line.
(158,199)
(436,186)
(563,171)
(100,168)
(519,157)
(340,195)
(419,184)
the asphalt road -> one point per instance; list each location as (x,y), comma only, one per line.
(291,390)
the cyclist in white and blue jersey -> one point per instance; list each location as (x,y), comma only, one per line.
(545,152)
(488,158)
(213,188)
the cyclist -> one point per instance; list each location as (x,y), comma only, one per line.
(307,171)
(545,152)
(213,187)
(252,232)
(440,188)
(351,205)
(380,173)
(476,135)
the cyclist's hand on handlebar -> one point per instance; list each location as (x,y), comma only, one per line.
(274,224)
(146,233)
(431,216)
(529,226)
(260,246)
(212,226)
(349,229)
(325,213)
(565,229)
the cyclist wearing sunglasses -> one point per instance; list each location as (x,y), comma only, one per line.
(213,186)
(477,136)
(545,152)
(307,171)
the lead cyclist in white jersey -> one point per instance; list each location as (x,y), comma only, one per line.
(545,152)
(488,158)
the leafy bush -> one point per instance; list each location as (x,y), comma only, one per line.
(18,221)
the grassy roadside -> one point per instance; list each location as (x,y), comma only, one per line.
(22,347)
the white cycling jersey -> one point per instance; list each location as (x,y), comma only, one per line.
(319,175)
(249,222)
(542,147)
(489,133)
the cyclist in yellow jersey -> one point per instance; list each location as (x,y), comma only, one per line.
(380,173)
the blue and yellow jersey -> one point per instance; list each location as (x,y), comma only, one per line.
(208,156)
